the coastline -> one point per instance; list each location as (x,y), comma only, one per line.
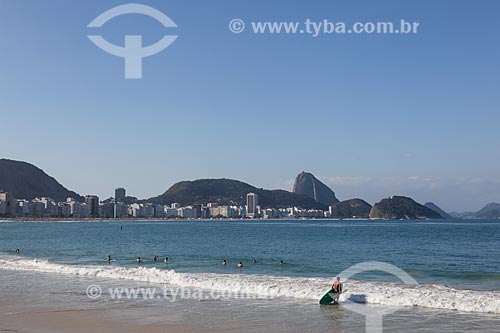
(18,219)
(155,219)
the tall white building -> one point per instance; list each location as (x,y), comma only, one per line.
(136,210)
(170,212)
(23,207)
(187,212)
(46,207)
(252,202)
(78,209)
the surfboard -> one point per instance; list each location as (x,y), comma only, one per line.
(329,297)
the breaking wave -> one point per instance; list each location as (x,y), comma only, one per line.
(309,289)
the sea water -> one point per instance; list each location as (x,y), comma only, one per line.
(454,262)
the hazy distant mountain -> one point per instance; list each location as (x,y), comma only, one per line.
(307,184)
(230,192)
(26,181)
(490,211)
(353,208)
(438,210)
(399,207)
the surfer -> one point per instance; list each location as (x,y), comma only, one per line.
(337,288)
(254,261)
(109,259)
(17,251)
(166,260)
(224,262)
(240,265)
(138,260)
(155,258)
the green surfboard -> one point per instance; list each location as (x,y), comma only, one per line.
(329,297)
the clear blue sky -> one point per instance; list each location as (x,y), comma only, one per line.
(371,115)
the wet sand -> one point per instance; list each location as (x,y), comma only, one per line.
(19,318)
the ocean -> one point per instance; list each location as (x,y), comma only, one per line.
(455,263)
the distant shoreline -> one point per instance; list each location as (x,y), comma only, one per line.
(17,219)
(126,220)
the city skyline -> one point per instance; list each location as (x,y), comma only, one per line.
(120,193)
(371,116)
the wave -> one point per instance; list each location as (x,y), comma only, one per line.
(310,289)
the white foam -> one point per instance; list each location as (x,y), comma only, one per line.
(310,289)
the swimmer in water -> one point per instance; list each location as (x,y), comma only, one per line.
(166,260)
(155,258)
(138,260)
(281,263)
(254,261)
(240,264)
(224,262)
(17,251)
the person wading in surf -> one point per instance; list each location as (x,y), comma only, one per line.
(337,288)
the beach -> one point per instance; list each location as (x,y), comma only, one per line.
(46,287)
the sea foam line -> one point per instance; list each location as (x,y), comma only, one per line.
(310,289)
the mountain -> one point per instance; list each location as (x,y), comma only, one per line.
(438,210)
(399,207)
(26,181)
(230,192)
(490,211)
(353,208)
(307,184)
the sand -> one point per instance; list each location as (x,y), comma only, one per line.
(19,318)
